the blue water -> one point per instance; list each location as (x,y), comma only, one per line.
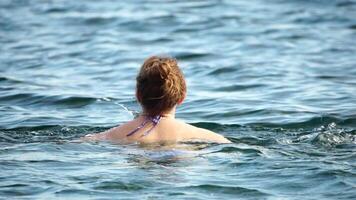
(278,78)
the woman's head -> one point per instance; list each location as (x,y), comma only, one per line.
(160,85)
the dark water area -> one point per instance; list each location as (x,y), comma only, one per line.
(278,78)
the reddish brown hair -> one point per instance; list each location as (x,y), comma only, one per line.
(160,85)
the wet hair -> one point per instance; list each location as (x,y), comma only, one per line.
(160,85)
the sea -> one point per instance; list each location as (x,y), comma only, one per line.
(277,78)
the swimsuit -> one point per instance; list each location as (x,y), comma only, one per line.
(155,120)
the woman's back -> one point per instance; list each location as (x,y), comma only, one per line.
(166,131)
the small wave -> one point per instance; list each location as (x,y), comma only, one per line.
(345,3)
(19,189)
(35,99)
(10,80)
(327,136)
(75,101)
(118,185)
(250,151)
(157,40)
(6,138)
(199,4)
(95,19)
(334,173)
(214,126)
(232,88)
(330,136)
(198,26)
(56,10)
(329,77)
(99,20)
(46,133)
(352,27)
(190,56)
(234,190)
(310,123)
(18,97)
(251,140)
(224,70)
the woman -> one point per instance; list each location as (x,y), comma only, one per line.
(160,88)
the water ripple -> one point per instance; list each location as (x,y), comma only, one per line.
(277,78)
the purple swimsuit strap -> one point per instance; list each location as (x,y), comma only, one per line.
(155,120)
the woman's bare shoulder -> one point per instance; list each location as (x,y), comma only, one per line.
(196,133)
(115,133)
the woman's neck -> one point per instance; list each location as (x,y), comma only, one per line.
(167,114)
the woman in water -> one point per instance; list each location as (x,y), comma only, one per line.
(160,88)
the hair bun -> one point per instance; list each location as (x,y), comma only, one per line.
(160,84)
(160,67)
(164,70)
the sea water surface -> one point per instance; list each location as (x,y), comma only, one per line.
(278,78)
